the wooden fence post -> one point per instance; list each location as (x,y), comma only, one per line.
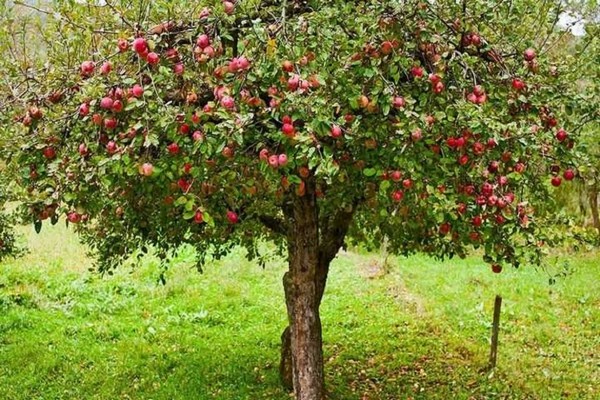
(495,330)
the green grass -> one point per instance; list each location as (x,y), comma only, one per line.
(420,331)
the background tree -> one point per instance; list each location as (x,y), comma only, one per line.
(440,127)
(580,53)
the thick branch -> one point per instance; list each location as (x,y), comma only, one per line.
(275,224)
(334,234)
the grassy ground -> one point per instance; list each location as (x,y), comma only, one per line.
(420,331)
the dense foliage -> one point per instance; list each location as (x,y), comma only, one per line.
(9,245)
(438,124)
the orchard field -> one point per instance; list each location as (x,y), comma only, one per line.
(418,329)
(357,181)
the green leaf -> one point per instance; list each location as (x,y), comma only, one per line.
(208,219)
(37,225)
(384,186)
(369,172)
(189,214)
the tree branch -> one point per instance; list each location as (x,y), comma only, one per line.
(275,224)
(334,234)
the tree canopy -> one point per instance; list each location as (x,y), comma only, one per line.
(433,124)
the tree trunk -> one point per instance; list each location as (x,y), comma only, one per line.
(285,363)
(593,195)
(312,244)
(302,299)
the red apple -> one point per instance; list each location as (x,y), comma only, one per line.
(106,68)
(74,217)
(227,152)
(519,167)
(444,228)
(110,123)
(243,63)
(228,102)
(398,102)
(264,155)
(472,98)
(556,181)
(434,78)
(117,106)
(84,109)
(416,135)
(518,84)
(363,101)
(496,268)
(173,148)
(147,169)
(282,160)
(106,103)
(197,136)
(288,129)
(387,47)
(438,87)
(478,148)
(274,161)
(49,153)
(184,129)
(397,195)
(232,217)
(529,54)
(561,135)
(500,219)
(336,131)
(97,119)
(569,174)
(229,7)
(287,66)
(111,147)
(152,58)
(304,172)
(83,150)
(209,51)
(416,72)
(184,184)
(203,41)
(178,69)
(87,68)
(140,45)
(137,91)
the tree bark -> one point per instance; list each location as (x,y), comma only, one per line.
(593,196)
(301,289)
(285,364)
(311,250)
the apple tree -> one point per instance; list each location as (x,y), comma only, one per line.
(434,125)
(584,106)
(9,246)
